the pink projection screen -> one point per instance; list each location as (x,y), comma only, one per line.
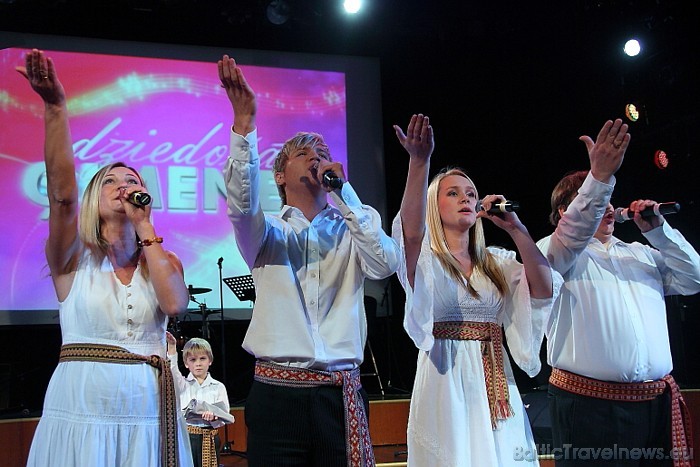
(169,118)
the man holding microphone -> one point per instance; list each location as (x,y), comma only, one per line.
(607,340)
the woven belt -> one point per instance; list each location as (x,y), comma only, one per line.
(492,358)
(358,444)
(208,445)
(168,408)
(681,426)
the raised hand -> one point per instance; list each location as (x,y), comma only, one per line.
(418,140)
(41,74)
(172,343)
(608,150)
(240,94)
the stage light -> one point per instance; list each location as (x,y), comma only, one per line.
(632,47)
(352,6)
(661,159)
(278,12)
(631,112)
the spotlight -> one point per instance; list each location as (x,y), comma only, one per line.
(632,112)
(278,12)
(661,159)
(352,6)
(632,47)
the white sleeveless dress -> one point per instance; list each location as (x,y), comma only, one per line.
(449,423)
(106,414)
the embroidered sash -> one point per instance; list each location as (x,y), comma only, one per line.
(492,358)
(358,444)
(681,425)
(168,407)
(208,444)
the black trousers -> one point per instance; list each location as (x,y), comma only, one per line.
(296,426)
(196,443)
(590,431)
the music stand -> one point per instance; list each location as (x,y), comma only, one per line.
(242,287)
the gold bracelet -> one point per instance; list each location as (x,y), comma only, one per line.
(149,241)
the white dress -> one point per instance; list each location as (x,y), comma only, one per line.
(449,420)
(106,414)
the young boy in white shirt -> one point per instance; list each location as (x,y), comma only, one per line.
(198,387)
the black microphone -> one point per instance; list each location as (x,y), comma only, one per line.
(139,198)
(221,260)
(332,180)
(658,209)
(500,207)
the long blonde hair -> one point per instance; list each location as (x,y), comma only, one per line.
(482,260)
(89,221)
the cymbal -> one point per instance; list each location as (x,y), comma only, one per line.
(197,290)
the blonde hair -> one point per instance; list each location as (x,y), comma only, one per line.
(90,223)
(299,141)
(482,260)
(197,345)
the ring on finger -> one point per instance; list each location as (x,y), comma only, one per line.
(616,144)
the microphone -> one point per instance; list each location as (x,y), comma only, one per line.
(221,260)
(332,180)
(500,207)
(139,198)
(658,209)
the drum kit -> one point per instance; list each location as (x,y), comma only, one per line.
(242,287)
(201,310)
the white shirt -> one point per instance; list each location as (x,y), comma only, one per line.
(309,275)
(437,297)
(609,322)
(210,390)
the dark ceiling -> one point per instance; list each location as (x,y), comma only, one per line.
(509,86)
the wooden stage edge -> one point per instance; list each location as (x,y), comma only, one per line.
(388,420)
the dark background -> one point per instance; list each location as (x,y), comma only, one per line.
(509,87)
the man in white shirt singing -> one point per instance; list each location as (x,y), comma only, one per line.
(309,263)
(613,398)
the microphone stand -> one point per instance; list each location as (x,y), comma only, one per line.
(244,289)
(226,446)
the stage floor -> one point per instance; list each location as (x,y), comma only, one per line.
(388,419)
(386,456)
